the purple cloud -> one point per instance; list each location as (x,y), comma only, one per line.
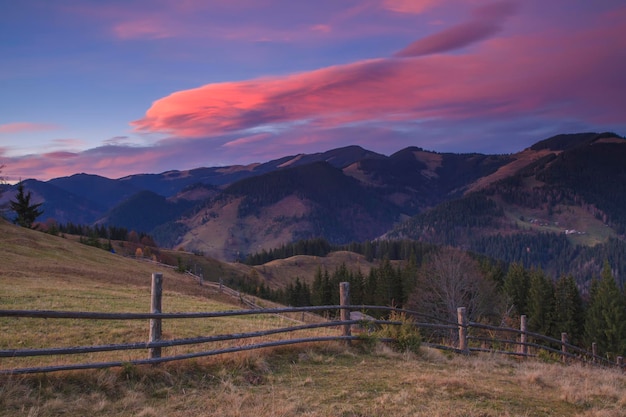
(486,21)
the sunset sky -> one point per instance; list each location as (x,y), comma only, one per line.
(120,87)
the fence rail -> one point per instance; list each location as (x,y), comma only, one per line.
(469,336)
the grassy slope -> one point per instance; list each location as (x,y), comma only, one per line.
(40,271)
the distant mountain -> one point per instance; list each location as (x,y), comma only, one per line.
(105,192)
(557,204)
(57,203)
(289,204)
(171,182)
(415,179)
(144,211)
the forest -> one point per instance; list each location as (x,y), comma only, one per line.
(434,281)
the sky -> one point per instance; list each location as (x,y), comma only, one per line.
(122,87)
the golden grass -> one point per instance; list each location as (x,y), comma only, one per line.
(42,272)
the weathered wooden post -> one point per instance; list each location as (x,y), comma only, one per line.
(523,326)
(594,351)
(344,301)
(155,307)
(563,347)
(620,361)
(462,320)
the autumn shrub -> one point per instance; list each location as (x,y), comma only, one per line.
(406,337)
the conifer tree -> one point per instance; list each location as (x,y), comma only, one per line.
(540,303)
(26,212)
(568,309)
(516,285)
(317,288)
(605,322)
(357,283)
(369,288)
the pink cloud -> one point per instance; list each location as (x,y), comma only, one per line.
(550,74)
(247,140)
(409,6)
(60,155)
(485,23)
(111,161)
(19,127)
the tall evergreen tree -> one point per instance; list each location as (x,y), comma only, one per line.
(516,285)
(357,285)
(540,303)
(317,288)
(26,212)
(605,323)
(568,309)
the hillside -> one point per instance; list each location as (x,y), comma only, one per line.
(50,264)
(558,206)
(287,205)
(47,272)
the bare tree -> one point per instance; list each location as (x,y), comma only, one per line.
(449,279)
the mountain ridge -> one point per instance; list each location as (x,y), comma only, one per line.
(559,185)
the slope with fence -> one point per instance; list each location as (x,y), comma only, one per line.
(276,327)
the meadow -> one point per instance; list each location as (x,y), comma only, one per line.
(39,271)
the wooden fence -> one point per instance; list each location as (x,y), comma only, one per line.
(462,337)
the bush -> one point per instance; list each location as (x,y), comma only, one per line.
(405,335)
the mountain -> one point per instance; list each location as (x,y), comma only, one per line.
(104,192)
(144,211)
(302,202)
(57,203)
(415,179)
(171,182)
(557,205)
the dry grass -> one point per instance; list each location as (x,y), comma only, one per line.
(42,272)
(328,380)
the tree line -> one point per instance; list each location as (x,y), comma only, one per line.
(442,279)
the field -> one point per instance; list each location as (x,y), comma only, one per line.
(38,271)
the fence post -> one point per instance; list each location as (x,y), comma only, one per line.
(563,347)
(462,320)
(523,336)
(155,307)
(344,301)
(594,351)
(620,361)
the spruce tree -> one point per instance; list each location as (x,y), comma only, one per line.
(540,303)
(516,285)
(605,322)
(568,309)
(26,213)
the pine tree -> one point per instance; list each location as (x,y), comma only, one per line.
(605,323)
(26,212)
(540,304)
(317,288)
(516,285)
(568,309)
